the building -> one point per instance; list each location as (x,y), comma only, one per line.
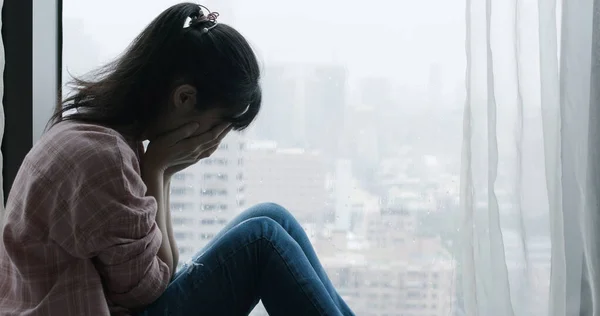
(304,106)
(396,272)
(363,206)
(375,118)
(325,107)
(394,288)
(363,142)
(293,178)
(206,196)
(281,118)
(528,259)
(342,192)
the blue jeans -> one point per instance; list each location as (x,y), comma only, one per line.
(263,254)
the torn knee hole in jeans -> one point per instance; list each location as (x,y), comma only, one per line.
(192,264)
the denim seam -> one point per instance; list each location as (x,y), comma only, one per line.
(292,273)
(281,256)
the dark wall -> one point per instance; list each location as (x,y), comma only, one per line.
(19,111)
(18,86)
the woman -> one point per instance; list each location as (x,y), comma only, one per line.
(88,229)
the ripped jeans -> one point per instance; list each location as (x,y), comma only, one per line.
(263,254)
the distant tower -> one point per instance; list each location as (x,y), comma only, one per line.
(435,85)
(342,191)
(325,108)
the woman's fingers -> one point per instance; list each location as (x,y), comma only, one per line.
(207,139)
(181,133)
(225,131)
(208,151)
(207,147)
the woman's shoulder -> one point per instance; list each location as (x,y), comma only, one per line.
(72,146)
(77,136)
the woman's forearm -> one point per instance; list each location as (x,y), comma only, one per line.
(167,196)
(153,178)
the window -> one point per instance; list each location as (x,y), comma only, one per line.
(208,221)
(177,206)
(219,176)
(214,161)
(183,236)
(181,191)
(182,176)
(182,221)
(222,221)
(208,207)
(213,192)
(361,132)
(207,236)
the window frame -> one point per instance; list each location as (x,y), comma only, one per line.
(19,73)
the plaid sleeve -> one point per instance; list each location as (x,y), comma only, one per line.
(111,221)
(132,274)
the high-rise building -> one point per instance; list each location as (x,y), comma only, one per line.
(364,144)
(397,273)
(293,178)
(282,111)
(376,113)
(304,106)
(342,191)
(394,288)
(325,108)
(528,262)
(207,196)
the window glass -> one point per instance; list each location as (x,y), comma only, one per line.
(359,137)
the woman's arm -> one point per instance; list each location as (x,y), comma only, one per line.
(167,196)
(165,156)
(154,180)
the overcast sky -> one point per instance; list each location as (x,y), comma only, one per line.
(401,39)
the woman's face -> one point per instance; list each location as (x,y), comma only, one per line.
(182,110)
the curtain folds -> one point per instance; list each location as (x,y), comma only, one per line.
(529,181)
(590,289)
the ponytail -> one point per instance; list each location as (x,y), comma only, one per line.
(129,92)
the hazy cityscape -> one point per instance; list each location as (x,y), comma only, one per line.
(368,163)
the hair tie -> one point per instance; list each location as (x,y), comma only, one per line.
(210,17)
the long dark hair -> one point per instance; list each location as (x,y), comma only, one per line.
(128,93)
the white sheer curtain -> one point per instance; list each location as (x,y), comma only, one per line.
(591,217)
(526,181)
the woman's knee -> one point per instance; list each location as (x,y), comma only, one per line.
(263,227)
(274,211)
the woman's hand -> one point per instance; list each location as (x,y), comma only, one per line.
(183,147)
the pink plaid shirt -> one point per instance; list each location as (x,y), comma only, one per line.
(79,236)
